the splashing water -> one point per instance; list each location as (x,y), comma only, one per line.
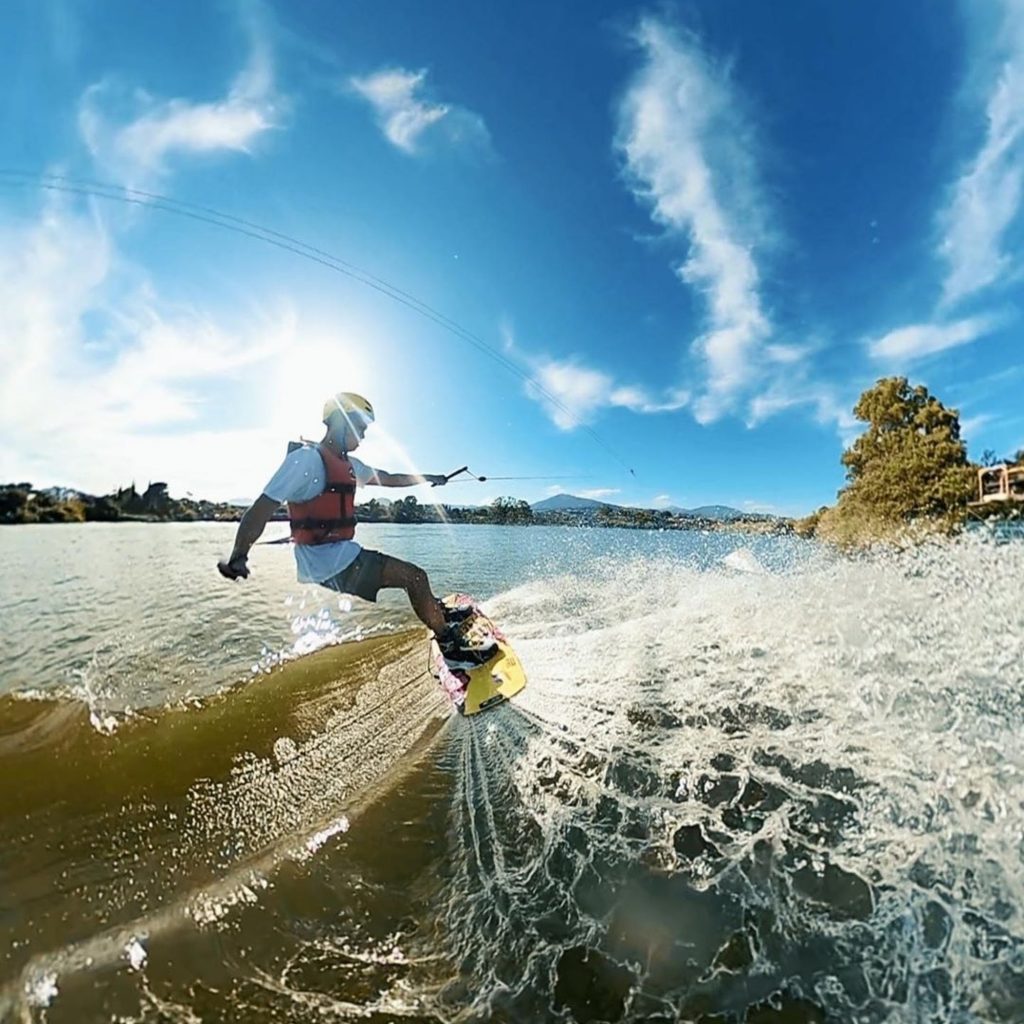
(797,792)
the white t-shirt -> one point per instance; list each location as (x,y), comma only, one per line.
(302,477)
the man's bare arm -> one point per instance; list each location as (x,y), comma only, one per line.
(406,479)
(252,524)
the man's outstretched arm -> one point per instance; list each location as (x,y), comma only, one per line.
(252,524)
(406,479)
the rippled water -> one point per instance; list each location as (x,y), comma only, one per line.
(789,795)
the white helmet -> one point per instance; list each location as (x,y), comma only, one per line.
(357,410)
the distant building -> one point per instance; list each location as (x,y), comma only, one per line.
(1000,483)
(156,499)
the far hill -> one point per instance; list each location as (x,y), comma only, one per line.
(715,512)
(563,502)
(571,502)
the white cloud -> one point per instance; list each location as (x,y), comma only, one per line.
(787,355)
(93,393)
(661,500)
(986,199)
(48,275)
(639,400)
(688,155)
(581,392)
(917,340)
(134,143)
(406,114)
(972,425)
(598,493)
(573,394)
(827,406)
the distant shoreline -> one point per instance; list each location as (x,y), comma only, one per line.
(774,528)
(21,504)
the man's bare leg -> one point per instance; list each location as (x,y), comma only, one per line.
(413,580)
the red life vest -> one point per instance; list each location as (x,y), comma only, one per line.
(331,515)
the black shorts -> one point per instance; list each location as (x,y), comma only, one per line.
(361,578)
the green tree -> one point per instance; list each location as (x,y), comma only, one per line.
(909,465)
(370,511)
(14,500)
(513,511)
(407,510)
(521,513)
(102,510)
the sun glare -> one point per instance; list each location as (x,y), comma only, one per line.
(314,370)
(320,364)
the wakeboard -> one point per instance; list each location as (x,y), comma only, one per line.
(480,670)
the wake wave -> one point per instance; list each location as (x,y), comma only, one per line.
(184,814)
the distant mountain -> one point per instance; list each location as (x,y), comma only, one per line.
(563,502)
(722,512)
(572,503)
(716,512)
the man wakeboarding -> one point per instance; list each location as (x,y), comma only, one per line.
(318,483)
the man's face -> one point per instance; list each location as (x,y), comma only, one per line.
(346,435)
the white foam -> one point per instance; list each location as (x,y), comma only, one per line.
(879,698)
(743,560)
(315,841)
(41,989)
(136,954)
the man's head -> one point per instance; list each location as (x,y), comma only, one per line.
(346,416)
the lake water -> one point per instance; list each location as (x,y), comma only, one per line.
(788,795)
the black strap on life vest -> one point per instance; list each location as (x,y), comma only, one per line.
(323,524)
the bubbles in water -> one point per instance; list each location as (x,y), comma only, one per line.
(285,749)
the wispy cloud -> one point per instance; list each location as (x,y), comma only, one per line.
(829,405)
(98,373)
(598,493)
(132,135)
(573,393)
(407,115)
(971,426)
(917,340)
(986,199)
(581,392)
(689,156)
(661,500)
(984,202)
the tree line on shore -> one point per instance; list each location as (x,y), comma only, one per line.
(21,503)
(908,472)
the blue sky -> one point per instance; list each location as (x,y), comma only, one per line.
(703,229)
